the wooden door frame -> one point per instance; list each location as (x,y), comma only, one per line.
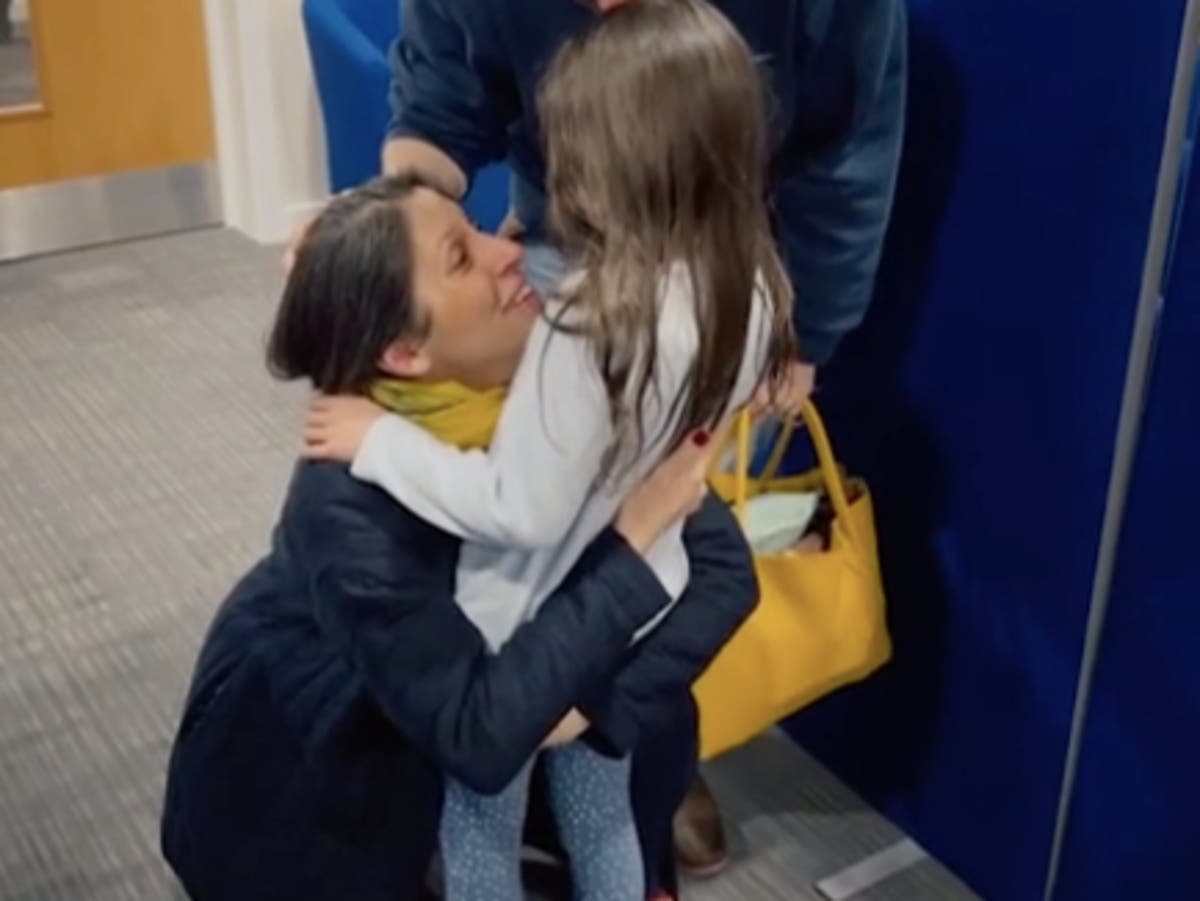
(125,195)
(40,105)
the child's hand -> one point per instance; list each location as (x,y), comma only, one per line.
(335,427)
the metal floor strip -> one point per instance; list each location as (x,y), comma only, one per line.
(872,870)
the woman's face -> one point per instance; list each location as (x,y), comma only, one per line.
(471,288)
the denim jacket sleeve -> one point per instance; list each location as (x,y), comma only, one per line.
(448,87)
(381,586)
(833,202)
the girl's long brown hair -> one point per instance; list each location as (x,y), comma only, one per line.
(656,136)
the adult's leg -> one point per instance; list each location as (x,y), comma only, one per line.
(589,794)
(480,838)
(664,766)
(701,849)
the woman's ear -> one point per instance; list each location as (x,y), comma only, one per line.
(404,359)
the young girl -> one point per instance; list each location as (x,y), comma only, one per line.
(676,308)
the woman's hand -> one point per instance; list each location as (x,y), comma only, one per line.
(673,490)
(573,725)
(335,426)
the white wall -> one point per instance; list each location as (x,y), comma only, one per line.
(270,143)
(18,11)
(298,121)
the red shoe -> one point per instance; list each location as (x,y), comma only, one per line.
(661,896)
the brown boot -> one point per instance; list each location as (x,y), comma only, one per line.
(700,846)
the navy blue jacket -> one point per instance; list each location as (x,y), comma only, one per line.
(340,678)
(465,73)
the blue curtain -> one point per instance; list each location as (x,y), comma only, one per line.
(348,43)
(1133,828)
(981,400)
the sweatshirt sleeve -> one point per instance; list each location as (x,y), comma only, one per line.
(528,487)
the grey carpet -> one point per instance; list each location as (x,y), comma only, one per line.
(792,823)
(143,452)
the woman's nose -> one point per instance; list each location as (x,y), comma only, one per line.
(506,255)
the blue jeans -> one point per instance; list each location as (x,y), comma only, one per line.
(481,835)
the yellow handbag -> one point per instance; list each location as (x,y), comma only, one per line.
(820,623)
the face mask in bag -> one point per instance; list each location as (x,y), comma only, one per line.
(776,522)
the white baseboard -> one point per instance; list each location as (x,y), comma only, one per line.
(264,108)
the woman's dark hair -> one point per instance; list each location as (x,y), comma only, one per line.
(349,293)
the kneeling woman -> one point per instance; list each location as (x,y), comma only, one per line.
(340,680)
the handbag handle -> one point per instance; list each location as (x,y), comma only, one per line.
(835,486)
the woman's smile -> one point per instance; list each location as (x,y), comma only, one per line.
(524,301)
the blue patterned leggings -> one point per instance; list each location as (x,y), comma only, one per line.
(481,835)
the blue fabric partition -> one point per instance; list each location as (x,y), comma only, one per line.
(348,42)
(1132,830)
(981,400)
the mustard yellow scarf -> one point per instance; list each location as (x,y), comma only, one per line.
(450,411)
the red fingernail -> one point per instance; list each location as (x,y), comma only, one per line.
(700,438)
